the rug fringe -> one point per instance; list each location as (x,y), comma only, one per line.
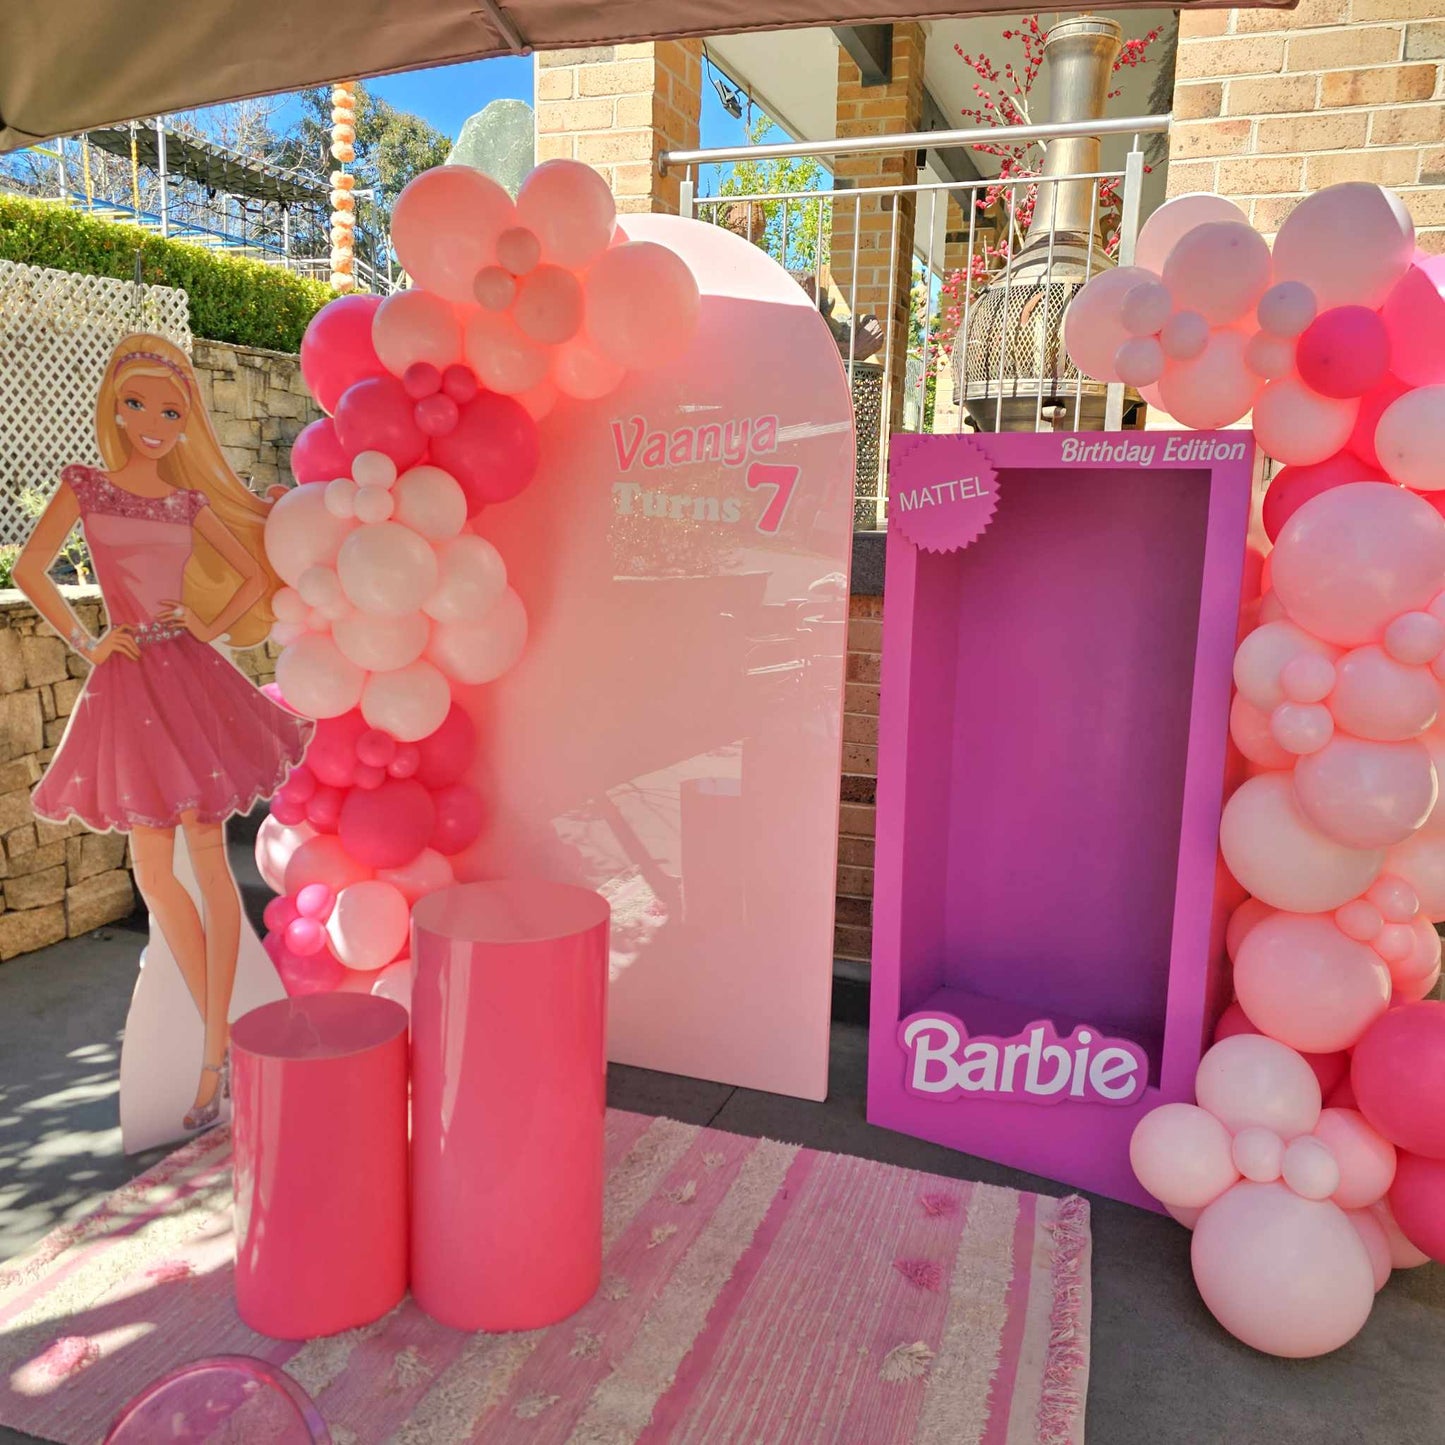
(1060,1399)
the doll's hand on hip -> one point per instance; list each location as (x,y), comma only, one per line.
(116,641)
(177,611)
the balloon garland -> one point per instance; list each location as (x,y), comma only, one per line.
(394,602)
(1319,1107)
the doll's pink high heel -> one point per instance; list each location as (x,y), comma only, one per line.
(203,1116)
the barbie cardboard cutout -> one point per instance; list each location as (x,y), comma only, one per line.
(168,736)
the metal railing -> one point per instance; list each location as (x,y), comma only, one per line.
(823,228)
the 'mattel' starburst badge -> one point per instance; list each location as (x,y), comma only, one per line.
(942,491)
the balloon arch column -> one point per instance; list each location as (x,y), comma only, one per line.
(1320,1114)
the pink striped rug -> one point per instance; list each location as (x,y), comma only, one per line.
(752,1291)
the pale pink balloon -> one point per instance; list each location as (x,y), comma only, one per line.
(1172,221)
(1301,728)
(289,606)
(580,370)
(1353,558)
(1242,922)
(1310,1169)
(320,587)
(1350,244)
(1359,919)
(1403,1254)
(1288,1276)
(416,326)
(1181,1155)
(1258,1154)
(503,358)
(1410,439)
(494,287)
(1261,659)
(1415,637)
(341,498)
(430,501)
(1300,427)
(373,469)
(1376,697)
(1139,361)
(317,679)
(1269,357)
(1250,730)
(445,226)
(394,982)
(480,649)
(1309,678)
(1146,308)
(426,873)
(518,249)
(301,532)
(1187,1217)
(1286,310)
(642,305)
(387,570)
(1280,857)
(1250,1080)
(1093,324)
(323,859)
(1184,336)
(373,505)
(1395,898)
(1367,794)
(1377,1244)
(1366,1159)
(1216,388)
(570,208)
(1415,975)
(548,307)
(1302,981)
(1219,269)
(1271,609)
(369,925)
(380,644)
(410,703)
(471,579)
(1420,861)
(275,843)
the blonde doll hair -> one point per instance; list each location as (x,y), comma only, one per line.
(195,463)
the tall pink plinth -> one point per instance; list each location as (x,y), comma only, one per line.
(320,1140)
(508,1021)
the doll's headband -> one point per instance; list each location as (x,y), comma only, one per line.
(156,357)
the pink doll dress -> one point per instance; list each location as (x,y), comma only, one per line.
(181,729)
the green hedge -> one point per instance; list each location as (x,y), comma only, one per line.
(233,299)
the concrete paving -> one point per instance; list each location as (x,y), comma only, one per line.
(1162,1373)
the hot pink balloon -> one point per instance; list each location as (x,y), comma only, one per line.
(642,305)
(1351,244)
(458,818)
(1367,794)
(1344,352)
(1250,1080)
(376,415)
(448,752)
(1303,982)
(1414,317)
(445,226)
(1353,558)
(405,763)
(323,809)
(336,351)
(324,859)
(569,208)
(1298,426)
(1376,697)
(416,326)
(437,415)
(317,455)
(279,912)
(1417,1202)
(421,379)
(389,826)
(320,973)
(1292,487)
(1398,1072)
(315,900)
(460,383)
(1365,1158)
(1181,1155)
(286,809)
(305,936)
(331,755)
(493,451)
(1410,439)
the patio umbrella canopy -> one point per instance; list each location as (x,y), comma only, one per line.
(70,65)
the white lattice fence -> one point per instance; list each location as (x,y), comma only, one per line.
(57,331)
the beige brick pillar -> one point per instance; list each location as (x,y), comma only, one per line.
(617,107)
(1271,105)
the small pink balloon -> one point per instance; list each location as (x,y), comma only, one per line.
(1398,1072)
(279,912)
(1344,352)
(421,379)
(300,783)
(1416,638)
(1310,1169)
(1366,794)
(458,818)
(1395,942)
(1220,269)
(494,287)
(1253,1080)
(1181,1155)
(1259,1154)
(1145,309)
(1415,976)
(1309,677)
(1261,659)
(518,250)
(305,936)
(1139,361)
(323,808)
(1414,316)
(1249,728)
(460,383)
(1288,1276)
(1298,426)
(1410,439)
(287,810)
(1417,1202)
(1395,898)
(642,305)
(1377,1244)
(437,415)
(1269,357)
(1359,919)
(1301,728)
(548,307)
(1303,982)
(406,762)
(1366,1160)
(1286,310)
(1378,698)
(1184,336)
(373,504)
(315,900)
(375,748)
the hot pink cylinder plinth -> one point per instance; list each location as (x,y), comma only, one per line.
(320,1141)
(508,1019)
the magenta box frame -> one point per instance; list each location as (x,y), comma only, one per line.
(1052,749)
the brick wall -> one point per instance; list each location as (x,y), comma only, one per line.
(1272,104)
(617,107)
(853,923)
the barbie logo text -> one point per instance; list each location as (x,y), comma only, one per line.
(1034,1067)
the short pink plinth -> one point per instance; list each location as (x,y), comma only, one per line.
(320,1144)
(508,1021)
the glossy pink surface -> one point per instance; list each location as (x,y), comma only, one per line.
(320,1137)
(508,1020)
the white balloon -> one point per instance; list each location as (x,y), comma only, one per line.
(387,569)
(275,843)
(410,703)
(472,576)
(369,925)
(302,532)
(316,679)
(430,501)
(478,651)
(1175,219)
(381,644)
